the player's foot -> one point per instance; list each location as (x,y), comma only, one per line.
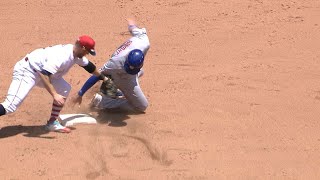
(57,127)
(96,100)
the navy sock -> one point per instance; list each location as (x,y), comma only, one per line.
(2,110)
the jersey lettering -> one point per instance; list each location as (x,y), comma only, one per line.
(122,47)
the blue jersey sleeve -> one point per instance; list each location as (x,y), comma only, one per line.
(88,84)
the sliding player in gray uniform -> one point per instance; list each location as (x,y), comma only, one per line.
(124,67)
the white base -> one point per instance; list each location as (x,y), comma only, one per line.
(72,119)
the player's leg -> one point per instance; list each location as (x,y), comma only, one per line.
(23,81)
(133,93)
(63,88)
(134,97)
(101,101)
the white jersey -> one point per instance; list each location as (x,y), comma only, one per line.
(139,40)
(56,59)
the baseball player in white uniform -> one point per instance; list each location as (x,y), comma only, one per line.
(45,67)
(124,67)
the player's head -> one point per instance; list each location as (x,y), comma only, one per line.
(84,45)
(134,62)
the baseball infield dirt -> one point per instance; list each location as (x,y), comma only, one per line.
(233,86)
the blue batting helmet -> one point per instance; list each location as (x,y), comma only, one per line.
(134,62)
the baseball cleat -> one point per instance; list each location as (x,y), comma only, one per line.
(57,127)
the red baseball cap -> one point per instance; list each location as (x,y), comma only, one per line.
(88,43)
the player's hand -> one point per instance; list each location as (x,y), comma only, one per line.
(77,100)
(105,79)
(131,22)
(59,99)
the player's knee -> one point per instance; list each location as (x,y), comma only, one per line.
(142,107)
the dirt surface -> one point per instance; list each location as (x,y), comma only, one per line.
(233,88)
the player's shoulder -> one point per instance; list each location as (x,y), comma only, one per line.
(115,62)
(62,52)
(66,46)
(59,47)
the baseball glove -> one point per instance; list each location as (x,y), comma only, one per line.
(108,88)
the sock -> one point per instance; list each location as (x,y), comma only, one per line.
(55,112)
(2,110)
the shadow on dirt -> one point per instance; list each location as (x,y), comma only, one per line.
(27,131)
(114,117)
(111,117)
